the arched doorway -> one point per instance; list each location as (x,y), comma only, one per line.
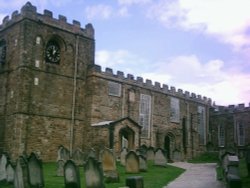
(126,138)
(167,146)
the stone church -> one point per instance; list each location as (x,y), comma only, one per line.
(52,93)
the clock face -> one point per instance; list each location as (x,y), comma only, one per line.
(52,53)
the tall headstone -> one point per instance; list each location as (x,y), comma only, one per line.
(35,169)
(21,173)
(71,175)
(10,173)
(63,153)
(176,155)
(150,154)
(132,162)
(123,156)
(93,174)
(3,163)
(109,165)
(160,158)
(60,165)
(143,163)
(78,157)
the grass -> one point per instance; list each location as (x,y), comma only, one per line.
(156,176)
(207,157)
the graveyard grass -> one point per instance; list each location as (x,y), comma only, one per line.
(156,176)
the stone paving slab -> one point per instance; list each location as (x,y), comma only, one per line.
(196,176)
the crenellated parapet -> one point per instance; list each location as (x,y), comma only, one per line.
(148,84)
(231,108)
(28,11)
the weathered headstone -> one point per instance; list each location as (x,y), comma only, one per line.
(160,158)
(132,162)
(10,173)
(3,163)
(123,156)
(63,153)
(71,175)
(143,163)
(92,153)
(21,173)
(150,154)
(109,165)
(93,174)
(78,157)
(176,155)
(35,170)
(60,165)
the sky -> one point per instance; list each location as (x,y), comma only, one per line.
(200,46)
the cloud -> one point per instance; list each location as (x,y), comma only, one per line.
(187,72)
(229,21)
(99,11)
(132,2)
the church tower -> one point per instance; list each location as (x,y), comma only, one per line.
(43,70)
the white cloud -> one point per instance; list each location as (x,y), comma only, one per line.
(131,2)
(99,11)
(227,20)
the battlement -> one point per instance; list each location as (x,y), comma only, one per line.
(139,81)
(231,108)
(29,11)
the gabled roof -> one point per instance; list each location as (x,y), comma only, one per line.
(113,123)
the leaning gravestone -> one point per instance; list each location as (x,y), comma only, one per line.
(150,154)
(109,166)
(21,173)
(60,165)
(9,173)
(35,170)
(3,163)
(123,156)
(71,175)
(160,158)
(93,174)
(132,162)
(78,157)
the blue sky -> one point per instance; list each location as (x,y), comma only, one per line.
(200,46)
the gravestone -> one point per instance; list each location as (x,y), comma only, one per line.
(71,175)
(134,182)
(150,154)
(248,161)
(143,163)
(123,156)
(132,162)
(3,163)
(21,173)
(92,153)
(160,158)
(35,170)
(176,155)
(63,153)
(10,173)
(143,150)
(60,165)
(78,157)
(109,165)
(93,174)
